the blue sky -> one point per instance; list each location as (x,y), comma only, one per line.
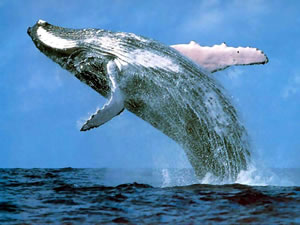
(42,105)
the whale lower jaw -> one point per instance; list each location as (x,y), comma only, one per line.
(53,41)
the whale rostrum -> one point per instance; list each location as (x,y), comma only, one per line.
(169,87)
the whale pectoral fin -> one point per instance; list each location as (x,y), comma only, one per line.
(219,57)
(113,107)
(110,110)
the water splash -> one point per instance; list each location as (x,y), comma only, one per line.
(253,176)
(178,177)
(260,176)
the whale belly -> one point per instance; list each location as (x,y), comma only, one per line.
(193,111)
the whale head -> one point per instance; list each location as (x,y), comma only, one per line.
(80,51)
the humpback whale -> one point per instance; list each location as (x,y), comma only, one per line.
(170,87)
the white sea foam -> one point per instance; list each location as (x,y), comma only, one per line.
(166,178)
(253,176)
(178,177)
(260,176)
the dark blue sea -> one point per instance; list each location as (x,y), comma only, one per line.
(147,196)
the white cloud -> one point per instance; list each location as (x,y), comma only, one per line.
(37,83)
(231,77)
(219,16)
(38,80)
(82,120)
(252,6)
(205,17)
(234,73)
(292,88)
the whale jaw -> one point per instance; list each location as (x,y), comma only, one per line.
(45,34)
(69,48)
(52,42)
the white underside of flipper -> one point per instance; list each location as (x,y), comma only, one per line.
(219,57)
(113,107)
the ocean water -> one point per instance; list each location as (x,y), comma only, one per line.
(147,196)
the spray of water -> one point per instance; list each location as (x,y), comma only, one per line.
(253,176)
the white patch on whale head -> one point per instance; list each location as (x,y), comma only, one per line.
(53,41)
(152,60)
